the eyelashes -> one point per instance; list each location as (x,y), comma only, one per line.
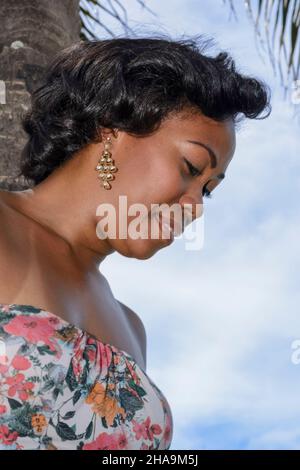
(192,169)
(195,172)
(207,193)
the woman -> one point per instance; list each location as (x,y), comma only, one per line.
(156,119)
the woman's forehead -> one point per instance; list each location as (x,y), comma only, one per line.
(221,135)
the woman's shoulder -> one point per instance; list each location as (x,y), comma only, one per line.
(138,327)
(10,227)
(6,236)
(11,243)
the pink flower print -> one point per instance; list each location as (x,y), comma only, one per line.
(104,357)
(5,308)
(3,365)
(138,429)
(17,385)
(122,441)
(34,330)
(101,356)
(6,436)
(21,363)
(151,430)
(103,442)
(144,447)
(168,430)
(145,430)
(77,358)
(2,409)
(91,353)
(135,377)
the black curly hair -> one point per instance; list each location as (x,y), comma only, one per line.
(131,84)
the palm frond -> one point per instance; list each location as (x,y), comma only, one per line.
(232,8)
(92,15)
(280,33)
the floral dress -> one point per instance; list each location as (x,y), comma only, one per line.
(61,388)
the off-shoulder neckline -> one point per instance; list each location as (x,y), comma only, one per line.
(62,320)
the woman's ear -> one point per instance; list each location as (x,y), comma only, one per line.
(105,132)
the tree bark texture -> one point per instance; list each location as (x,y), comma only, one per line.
(31,33)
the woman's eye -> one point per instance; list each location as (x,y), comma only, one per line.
(193,170)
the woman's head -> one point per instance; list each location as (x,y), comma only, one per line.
(159,93)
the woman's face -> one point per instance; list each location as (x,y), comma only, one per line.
(155,170)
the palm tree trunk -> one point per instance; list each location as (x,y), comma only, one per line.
(32,31)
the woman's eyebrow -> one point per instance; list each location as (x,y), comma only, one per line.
(212,155)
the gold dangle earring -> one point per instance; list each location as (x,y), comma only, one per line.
(106,166)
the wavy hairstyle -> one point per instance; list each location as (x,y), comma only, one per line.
(131,84)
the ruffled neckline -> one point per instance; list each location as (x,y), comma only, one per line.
(36,309)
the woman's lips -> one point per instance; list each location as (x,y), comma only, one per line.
(171,227)
(166,229)
(168,226)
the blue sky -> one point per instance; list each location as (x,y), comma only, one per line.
(220,321)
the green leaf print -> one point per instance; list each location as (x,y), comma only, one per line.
(69,415)
(45,350)
(26,308)
(14,404)
(129,401)
(104,423)
(76,396)
(89,430)
(71,379)
(65,432)
(137,388)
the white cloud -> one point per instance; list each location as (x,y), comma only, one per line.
(221,321)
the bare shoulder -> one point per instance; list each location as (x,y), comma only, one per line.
(138,326)
(9,234)
(11,260)
(5,239)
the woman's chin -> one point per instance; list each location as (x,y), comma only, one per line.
(141,248)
